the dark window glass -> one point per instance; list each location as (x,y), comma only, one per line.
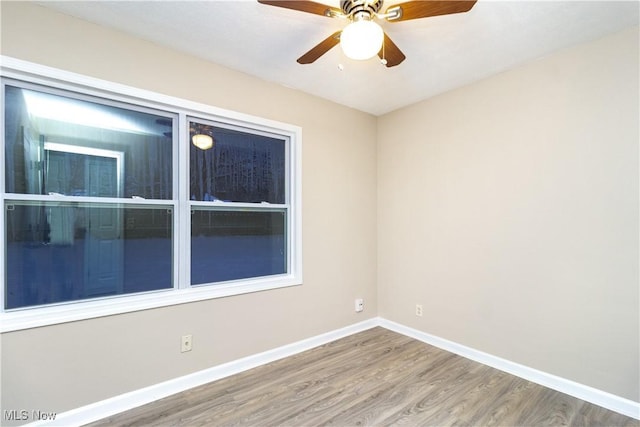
(57,252)
(60,146)
(228,245)
(238,167)
(56,144)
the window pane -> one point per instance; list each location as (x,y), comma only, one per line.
(228,245)
(56,144)
(58,252)
(239,167)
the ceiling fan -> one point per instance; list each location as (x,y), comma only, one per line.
(363,38)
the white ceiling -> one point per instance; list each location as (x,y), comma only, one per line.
(442,52)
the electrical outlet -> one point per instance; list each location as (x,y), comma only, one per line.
(187,343)
(419,310)
(359,305)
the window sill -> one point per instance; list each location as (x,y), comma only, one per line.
(70,312)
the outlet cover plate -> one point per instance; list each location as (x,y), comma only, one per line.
(186,343)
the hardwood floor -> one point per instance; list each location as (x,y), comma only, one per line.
(376,377)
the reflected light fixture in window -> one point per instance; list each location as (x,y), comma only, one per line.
(362,38)
(202,141)
(68,110)
(201,135)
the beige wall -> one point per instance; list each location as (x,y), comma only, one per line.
(61,367)
(509,210)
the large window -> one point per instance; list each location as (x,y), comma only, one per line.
(114,202)
(63,148)
(245,172)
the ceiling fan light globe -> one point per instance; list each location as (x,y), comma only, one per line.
(203,142)
(361,40)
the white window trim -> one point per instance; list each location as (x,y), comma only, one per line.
(31,317)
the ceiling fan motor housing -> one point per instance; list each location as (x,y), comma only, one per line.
(354,8)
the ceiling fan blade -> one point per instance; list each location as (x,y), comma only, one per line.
(391,52)
(426,8)
(320,49)
(304,6)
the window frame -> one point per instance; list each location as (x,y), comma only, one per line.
(182,290)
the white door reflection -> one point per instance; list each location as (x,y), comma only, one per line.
(72,170)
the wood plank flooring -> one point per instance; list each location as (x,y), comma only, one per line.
(376,377)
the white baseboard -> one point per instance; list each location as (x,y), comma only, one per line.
(124,402)
(108,407)
(597,397)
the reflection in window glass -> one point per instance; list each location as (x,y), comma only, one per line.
(56,144)
(89,207)
(229,245)
(238,167)
(57,252)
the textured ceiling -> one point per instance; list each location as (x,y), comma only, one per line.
(442,52)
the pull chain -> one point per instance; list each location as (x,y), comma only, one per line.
(383,61)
